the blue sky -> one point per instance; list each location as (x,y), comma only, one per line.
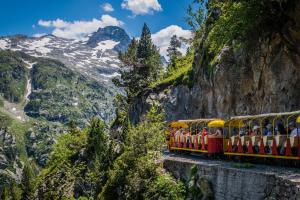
(22,16)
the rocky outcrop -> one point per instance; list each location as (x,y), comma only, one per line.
(229,182)
(10,164)
(110,33)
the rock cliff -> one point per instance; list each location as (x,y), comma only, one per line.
(263,77)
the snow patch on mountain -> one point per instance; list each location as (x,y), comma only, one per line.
(112,75)
(106,44)
(4,44)
(76,55)
(39,45)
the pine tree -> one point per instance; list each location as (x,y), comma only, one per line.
(173,51)
(97,141)
(142,60)
(4,193)
(130,78)
(26,182)
(73,127)
(148,56)
(130,56)
(145,46)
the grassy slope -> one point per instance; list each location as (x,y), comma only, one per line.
(179,75)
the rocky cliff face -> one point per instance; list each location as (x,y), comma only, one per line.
(260,79)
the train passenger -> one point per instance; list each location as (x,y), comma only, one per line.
(266,127)
(188,135)
(294,131)
(219,132)
(268,130)
(235,131)
(248,131)
(204,132)
(179,134)
(280,129)
(242,132)
(256,131)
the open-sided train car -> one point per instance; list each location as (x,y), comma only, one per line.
(273,135)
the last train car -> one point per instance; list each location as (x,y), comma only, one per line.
(273,135)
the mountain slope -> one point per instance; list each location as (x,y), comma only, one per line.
(96,58)
(57,93)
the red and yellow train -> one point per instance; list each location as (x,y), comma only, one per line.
(273,135)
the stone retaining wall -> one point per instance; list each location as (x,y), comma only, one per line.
(260,182)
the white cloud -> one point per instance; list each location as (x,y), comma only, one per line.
(44,23)
(141,7)
(107,7)
(162,38)
(58,23)
(39,34)
(79,29)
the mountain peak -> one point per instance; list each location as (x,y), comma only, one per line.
(114,33)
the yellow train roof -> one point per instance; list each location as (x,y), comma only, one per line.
(186,123)
(197,120)
(216,123)
(179,124)
(245,117)
(235,123)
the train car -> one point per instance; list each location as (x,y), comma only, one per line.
(273,135)
(265,135)
(195,136)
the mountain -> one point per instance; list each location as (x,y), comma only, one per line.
(96,58)
(104,36)
(94,62)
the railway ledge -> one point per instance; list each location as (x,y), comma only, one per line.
(231,181)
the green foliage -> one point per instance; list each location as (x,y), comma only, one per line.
(13,76)
(82,158)
(11,190)
(181,73)
(237,18)
(27,183)
(67,146)
(239,24)
(134,174)
(165,187)
(147,136)
(243,165)
(97,143)
(1,102)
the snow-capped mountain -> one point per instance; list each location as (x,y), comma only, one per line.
(96,58)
